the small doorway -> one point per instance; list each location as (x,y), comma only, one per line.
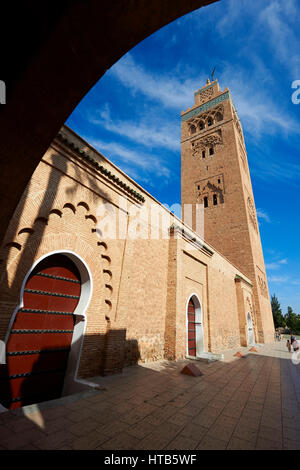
(251,339)
(195,344)
(40,338)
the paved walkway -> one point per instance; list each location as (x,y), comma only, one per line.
(249,403)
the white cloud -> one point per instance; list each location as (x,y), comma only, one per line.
(149,132)
(275,19)
(263,215)
(276,265)
(272,27)
(233,13)
(137,176)
(274,22)
(256,106)
(140,161)
(281,279)
(266,168)
(167,89)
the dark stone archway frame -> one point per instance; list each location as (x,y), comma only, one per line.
(53,53)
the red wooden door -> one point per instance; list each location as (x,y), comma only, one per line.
(191,329)
(41,335)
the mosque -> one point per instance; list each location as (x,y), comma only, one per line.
(96,274)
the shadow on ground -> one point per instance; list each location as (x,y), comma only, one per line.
(250,403)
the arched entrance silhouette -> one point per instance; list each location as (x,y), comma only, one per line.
(195,341)
(56,55)
(45,336)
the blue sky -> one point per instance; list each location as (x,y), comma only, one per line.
(132,115)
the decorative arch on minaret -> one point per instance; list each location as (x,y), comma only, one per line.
(252,213)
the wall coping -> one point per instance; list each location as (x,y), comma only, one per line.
(107,173)
(239,278)
(191,237)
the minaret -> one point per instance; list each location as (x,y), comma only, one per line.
(215,173)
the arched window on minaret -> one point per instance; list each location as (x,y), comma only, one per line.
(211,151)
(201,125)
(215,200)
(205,200)
(192,129)
(210,121)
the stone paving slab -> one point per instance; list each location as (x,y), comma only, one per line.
(238,404)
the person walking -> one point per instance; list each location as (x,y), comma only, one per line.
(295,345)
(277,335)
(288,345)
(293,338)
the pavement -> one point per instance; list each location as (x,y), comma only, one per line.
(238,403)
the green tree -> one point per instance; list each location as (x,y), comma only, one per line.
(292,321)
(277,312)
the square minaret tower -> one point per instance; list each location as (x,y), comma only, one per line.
(215,173)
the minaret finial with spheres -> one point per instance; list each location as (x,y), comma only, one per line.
(212,77)
(212,74)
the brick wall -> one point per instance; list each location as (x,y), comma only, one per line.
(141,287)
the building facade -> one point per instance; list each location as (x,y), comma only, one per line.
(96,274)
